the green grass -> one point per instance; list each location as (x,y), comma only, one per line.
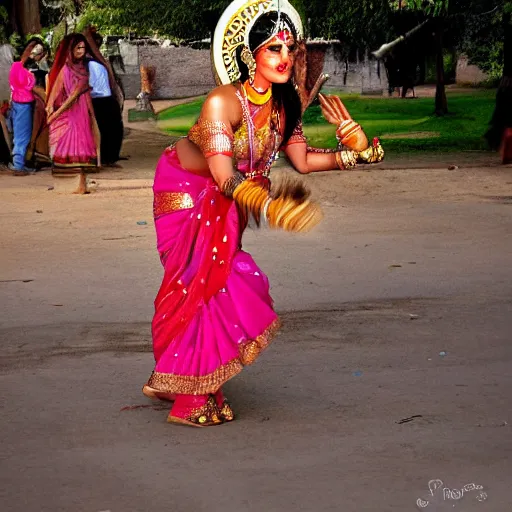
(461,130)
(178,120)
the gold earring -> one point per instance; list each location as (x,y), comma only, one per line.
(248,60)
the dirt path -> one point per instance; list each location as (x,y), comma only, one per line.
(392,369)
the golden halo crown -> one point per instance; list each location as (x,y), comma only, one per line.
(233,31)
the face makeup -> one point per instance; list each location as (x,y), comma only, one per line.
(274,61)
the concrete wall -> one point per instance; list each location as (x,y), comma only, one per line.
(366,76)
(183,71)
(5,67)
(180,71)
(468,73)
(130,74)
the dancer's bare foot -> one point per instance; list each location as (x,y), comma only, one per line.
(154,394)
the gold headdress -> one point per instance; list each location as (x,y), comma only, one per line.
(233,31)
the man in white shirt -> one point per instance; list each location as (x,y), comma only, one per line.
(98,80)
(107,111)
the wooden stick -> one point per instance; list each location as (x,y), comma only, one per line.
(316,89)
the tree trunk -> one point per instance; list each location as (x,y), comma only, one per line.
(441,103)
(502,116)
(27,16)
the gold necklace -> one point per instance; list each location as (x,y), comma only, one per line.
(255,97)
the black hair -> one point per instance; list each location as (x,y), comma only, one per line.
(29,45)
(285,96)
(37,40)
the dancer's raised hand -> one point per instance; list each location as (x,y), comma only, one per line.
(349,133)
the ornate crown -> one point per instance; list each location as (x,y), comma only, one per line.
(233,30)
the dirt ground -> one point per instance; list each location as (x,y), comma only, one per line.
(392,372)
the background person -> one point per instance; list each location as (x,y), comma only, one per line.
(74,135)
(38,151)
(23,94)
(107,110)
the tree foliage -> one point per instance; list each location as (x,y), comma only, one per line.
(361,25)
(483,37)
(475,27)
(177,19)
(4,20)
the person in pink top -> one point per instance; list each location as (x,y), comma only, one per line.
(22,83)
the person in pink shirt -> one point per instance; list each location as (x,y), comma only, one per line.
(22,83)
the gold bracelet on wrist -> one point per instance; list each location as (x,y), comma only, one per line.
(346,159)
(229,186)
(339,163)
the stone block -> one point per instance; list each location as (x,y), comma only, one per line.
(6,53)
(135,115)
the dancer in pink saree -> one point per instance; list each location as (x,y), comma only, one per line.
(73,130)
(213,313)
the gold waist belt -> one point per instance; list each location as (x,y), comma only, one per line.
(169,202)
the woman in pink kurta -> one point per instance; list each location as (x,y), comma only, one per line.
(69,107)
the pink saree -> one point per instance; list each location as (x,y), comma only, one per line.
(72,141)
(213,313)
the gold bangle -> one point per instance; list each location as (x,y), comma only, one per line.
(346,160)
(349,159)
(229,186)
(339,163)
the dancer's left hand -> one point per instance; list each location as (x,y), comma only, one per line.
(348,133)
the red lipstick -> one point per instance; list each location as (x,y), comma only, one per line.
(282,68)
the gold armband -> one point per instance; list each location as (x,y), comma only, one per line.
(212,137)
